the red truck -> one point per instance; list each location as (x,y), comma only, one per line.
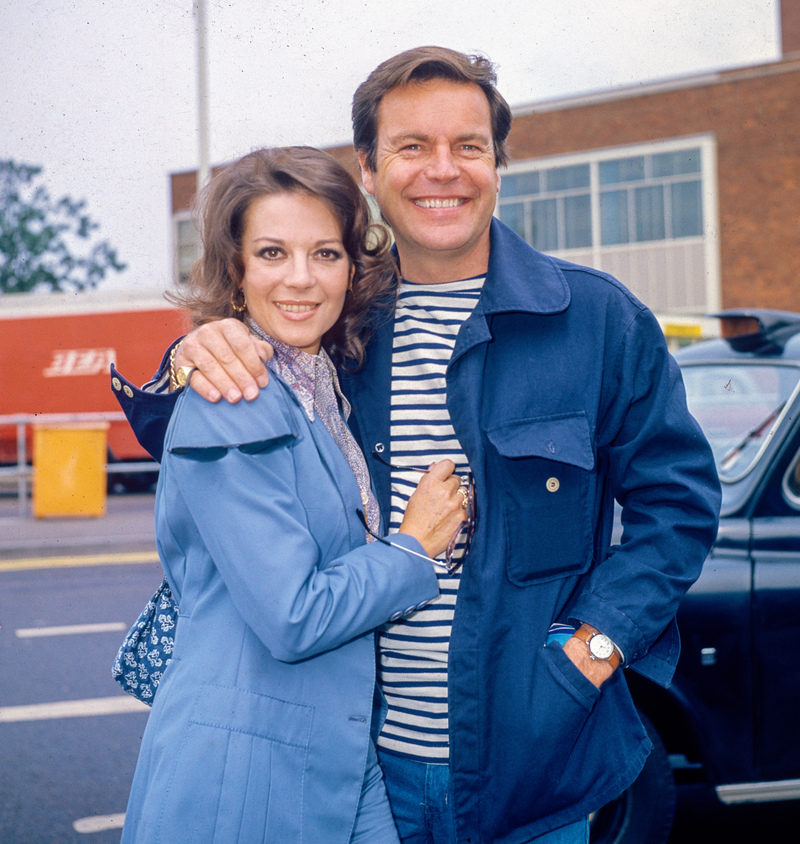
(56,349)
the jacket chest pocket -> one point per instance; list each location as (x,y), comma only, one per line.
(543,476)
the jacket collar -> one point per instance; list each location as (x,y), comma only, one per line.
(520,279)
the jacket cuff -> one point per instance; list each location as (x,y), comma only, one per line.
(655,661)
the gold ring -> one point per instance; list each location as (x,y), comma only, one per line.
(464,496)
(183,374)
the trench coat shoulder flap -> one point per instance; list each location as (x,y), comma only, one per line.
(564,437)
(207,431)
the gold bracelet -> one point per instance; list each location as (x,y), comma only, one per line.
(173,375)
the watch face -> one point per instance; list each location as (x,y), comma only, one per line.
(601,646)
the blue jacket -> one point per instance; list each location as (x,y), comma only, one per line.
(564,397)
(261,725)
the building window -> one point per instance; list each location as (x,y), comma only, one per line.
(187,245)
(646,214)
(650,197)
(550,208)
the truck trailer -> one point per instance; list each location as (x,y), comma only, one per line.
(56,350)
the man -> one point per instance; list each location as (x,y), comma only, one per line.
(551,385)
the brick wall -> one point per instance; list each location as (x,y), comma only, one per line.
(754,117)
(790,26)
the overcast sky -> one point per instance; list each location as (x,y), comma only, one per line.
(102,93)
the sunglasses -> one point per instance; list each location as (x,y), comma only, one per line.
(466,528)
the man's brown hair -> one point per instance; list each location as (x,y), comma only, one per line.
(422,64)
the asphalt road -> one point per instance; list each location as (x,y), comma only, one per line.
(69,737)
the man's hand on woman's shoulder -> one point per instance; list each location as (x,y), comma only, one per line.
(228,361)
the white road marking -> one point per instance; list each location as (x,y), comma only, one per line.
(99,823)
(71,629)
(116,705)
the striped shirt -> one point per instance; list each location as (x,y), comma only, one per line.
(413,653)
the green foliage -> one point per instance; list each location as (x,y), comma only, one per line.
(42,241)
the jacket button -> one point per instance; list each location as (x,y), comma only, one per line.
(552,484)
(116,384)
(395,616)
(380,448)
(364,498)
(128,391)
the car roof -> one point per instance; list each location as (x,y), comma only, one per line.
(749,334)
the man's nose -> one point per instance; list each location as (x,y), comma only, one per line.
(442,166)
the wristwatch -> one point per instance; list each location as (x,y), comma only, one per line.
(600,646)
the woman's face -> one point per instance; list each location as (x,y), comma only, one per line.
(296,270)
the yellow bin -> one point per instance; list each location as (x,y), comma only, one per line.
(69,463)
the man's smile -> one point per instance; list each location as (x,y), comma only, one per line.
(439,203)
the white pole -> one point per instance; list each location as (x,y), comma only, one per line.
(202,94)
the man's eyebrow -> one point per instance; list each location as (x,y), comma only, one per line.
(460,139)
(407,136)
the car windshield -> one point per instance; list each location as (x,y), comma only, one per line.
(739,407)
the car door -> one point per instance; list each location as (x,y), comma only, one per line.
(776,615)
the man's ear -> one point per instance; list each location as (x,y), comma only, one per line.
(366,173)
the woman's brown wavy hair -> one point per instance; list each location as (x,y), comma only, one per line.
(222,210)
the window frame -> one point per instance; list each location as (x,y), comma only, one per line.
(709,192)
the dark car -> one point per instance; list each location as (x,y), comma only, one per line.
(731,713)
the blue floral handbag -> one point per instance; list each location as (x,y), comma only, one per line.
(147,649)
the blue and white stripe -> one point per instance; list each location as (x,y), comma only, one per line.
(414,652)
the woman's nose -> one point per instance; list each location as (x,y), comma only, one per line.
(299,274)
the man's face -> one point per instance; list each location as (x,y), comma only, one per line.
(435,177)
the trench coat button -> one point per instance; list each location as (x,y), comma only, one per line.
(410,611)
(552,484)
(364,498)
(395,616)
(422,605)
(380,448)
(128,391)
(116,384)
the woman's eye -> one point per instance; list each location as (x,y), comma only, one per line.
(271,253)
(329,254)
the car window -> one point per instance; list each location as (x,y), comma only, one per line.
(791,483)
(739,406)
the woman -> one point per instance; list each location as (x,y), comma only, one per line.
(264,723)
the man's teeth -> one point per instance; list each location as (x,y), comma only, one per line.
(296,309)
(438,203)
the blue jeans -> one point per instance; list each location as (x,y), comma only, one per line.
(422,805)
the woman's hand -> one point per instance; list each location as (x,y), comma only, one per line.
(436,509)
(228,360)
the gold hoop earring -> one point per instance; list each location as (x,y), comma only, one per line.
(238,308)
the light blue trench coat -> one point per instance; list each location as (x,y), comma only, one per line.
(261,725)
